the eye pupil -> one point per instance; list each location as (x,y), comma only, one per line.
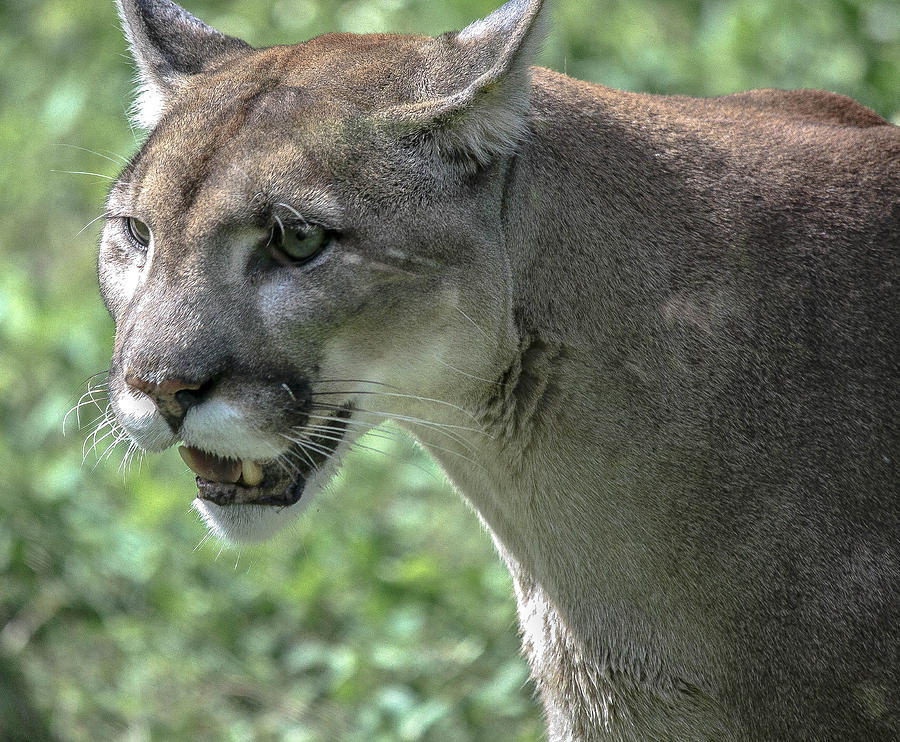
(138,231)
(299,245)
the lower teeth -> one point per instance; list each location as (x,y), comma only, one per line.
(251,473)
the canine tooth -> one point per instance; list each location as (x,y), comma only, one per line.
(251,472)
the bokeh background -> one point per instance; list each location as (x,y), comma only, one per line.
(384,614)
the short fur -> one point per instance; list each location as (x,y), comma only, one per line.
(653,340)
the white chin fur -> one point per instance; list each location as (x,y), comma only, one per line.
(247,523)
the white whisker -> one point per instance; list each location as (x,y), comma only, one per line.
(307,444)
(84,172)
(294,212)
(302,450)
(318,433)
(118,161)
(101,216)
(206,537)
(86,399)
(82,402)
(121,435)
(389,436)
(465,373)
(97,441)
(405,418)
(474,323)
(442,428)
(403,396)
(359,429)
(406,461)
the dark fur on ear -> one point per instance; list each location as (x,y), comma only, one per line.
(477,97)
(169,45)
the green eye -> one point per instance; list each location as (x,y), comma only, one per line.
(138,231)
(299,245)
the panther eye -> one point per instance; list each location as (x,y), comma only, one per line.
(299,245)
(138,231)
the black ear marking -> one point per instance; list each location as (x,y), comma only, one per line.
(169,45)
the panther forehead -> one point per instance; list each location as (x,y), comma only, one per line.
(305,105)
(333,75)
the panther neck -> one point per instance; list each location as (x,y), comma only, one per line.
(609,626)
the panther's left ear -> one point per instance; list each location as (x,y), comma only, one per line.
(479,84)
(169,45)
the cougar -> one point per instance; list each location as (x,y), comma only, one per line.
(652,340)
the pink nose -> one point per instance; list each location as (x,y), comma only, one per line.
(173,397)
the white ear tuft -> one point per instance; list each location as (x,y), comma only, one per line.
(148,106)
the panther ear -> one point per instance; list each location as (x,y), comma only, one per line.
(480,88)
(169,45)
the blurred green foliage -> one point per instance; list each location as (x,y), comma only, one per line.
(384,614)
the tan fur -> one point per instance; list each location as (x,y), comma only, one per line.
(651,339)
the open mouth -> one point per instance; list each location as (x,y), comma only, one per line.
(276,482)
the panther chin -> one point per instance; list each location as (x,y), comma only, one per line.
(247,500)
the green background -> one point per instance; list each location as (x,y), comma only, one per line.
(384,614)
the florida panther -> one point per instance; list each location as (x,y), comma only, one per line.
(653,341)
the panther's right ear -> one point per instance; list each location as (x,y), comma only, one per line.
(169,45)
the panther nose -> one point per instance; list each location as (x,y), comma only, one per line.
(173,397)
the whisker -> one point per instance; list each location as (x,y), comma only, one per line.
(358,423)
(318,434)
(419,421)
(360,427)
(437,427)
(399,459)
(90,396)
(294,212)
(429,445)
(289,467)
(119,161)
(125,161)
(96,218)
(89,379)
(137,455)
(84,172)
(127,459)
(107,421)
(105,451)
(283,460)
(309,458)
(403,396)
(474,323)
(120,436)
(206,537)
(449,435)
(97,441)
(356,381)
(303,443)
(464,373)
(86,399)
(394,438)
(82,402)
